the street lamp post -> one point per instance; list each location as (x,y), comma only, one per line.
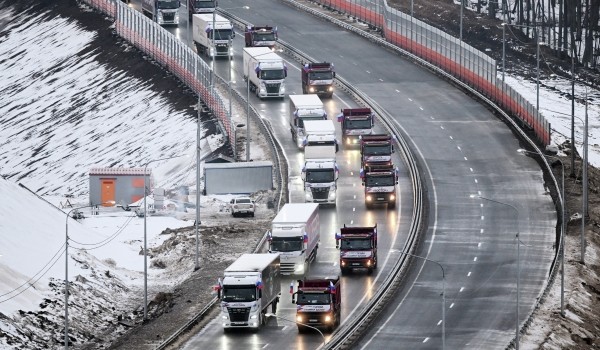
(302,324)
(67,265)
(145,235)
(443,294)
(562,229)
(518,262)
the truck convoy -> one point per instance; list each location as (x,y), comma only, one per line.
(356,122)
(303,108)
(202,29)
(320,174)
(266,71)
(249,285)
(358,248)
(162,12)
(318,301)
(380,185)
(260,36)
(376,149)
(317,78)
(201,6)
(295,234)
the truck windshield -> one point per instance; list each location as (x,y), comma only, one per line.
(264,36)
(286,244)
(239,293)
(377,150)
(221,34)
(376,181)
(320,175)
(358,124)
(314,299)
(168,4)
(272,74)
(204,4)
(356,244)
(320,75)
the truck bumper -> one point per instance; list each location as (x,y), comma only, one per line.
(231,320)
(356,263)
(380,198)
(321,90)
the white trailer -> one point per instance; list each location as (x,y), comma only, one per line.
(266,71)
(202,29)
(162,12)
(320,174)
(319,135)
(303,108)
(295,234)
(250,284)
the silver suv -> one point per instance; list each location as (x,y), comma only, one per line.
(242,206)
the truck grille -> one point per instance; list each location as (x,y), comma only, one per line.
(287,268)
(272,88)
(222,50)
(169,16)
(320,193)
(313,318)
(238,314)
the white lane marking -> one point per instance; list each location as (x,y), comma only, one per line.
(460,149)
(476,181)
(267,344)
(425,340)
(466,158)
(481,205)
(452,138)
(410,99)
(397,90)
(352,223)
(479,245)
(451,306)
(421,108)
(471,169)
(461,289)
(475,259)
(368,72)
(479,193)
(352,174)
(380,79)
(284,328)
(441,126)
(355,198)
(432,118)
(439,322)
(469,274)
(481,231)
(354,209)
(354,185)
(482,217)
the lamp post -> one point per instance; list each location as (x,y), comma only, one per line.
(443,294)
(584,199)
(302,324)
(562,229)
(145,235)
(518,262)
(67,265)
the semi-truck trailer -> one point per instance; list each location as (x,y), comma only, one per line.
(202,28)
(358,248)
(163,12)
(201,6)
(380,185)
(260,36)
(318,301)
(249,285)
(355,122)
(318,78)
(295,234)
(319,134)
(266,71)
(320,174)
(376,149)
(303,108)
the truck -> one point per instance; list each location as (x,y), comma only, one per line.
(358,248)
(268,72)
(355,122)
(295,234)
(202,29)
(376,149)
(201,6)
(303,108)
(163,12)
(320,174)
(317,78)
(318,301)
(249,285)
(319,136)
(260,36)
(380,183)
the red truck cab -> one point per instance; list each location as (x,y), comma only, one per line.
(318,303)
(358,248)
(317,78)
(356,122)
(376,149)
(260,36)
(380,185)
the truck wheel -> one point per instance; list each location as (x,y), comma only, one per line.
(370,271)
(392,205)
(345,270)
(301,329)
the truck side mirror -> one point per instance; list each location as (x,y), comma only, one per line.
(337,175)
(362,183)
(259,293)
(303,175)
(334,74)
(393,149)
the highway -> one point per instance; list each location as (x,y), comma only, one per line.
(463,150)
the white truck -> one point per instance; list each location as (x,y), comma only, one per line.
(295,234)
(319,135)
(320,174)
(266,72)
(249,285)
(303,108)
(162,12)
(202,29)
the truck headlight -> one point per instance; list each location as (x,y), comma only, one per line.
(231,51)
(308,195)
(331,194)
(330,89)
(282,89)
(211,52)
(253,317)
(368,262)
(369,198)
(328,318)
(225,317)
(311,89)
(176,17)
(343,262)
(392,197)
(299,318)
(299,269)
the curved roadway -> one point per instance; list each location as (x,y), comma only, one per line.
(464,149)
